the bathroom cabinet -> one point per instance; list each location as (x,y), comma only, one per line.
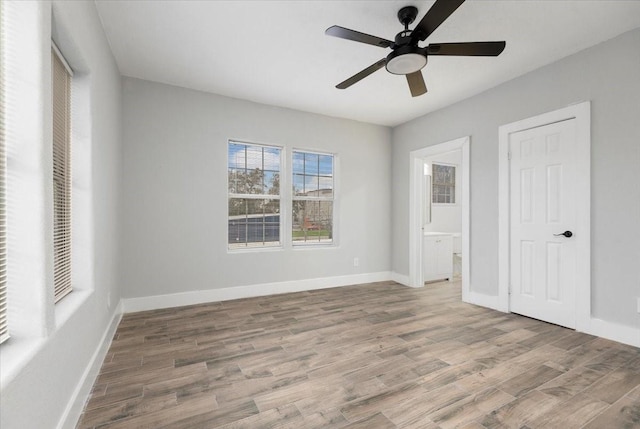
(437,253)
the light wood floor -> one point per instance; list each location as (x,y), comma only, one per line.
(370,356)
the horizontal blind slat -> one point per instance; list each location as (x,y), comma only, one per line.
(61,78)
(4,328)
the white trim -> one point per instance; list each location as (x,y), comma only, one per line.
(614,331)
(466,218)
(75,406)
(581,113)
(400,278)
(225,294)
(503,220)
(61,58)
(416,201)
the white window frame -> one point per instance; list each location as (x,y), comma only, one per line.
(333,199)
(280,197)
(455,184)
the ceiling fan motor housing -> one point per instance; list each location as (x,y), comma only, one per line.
(404,38)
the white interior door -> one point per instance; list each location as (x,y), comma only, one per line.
(543,182)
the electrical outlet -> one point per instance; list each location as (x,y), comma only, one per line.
(356,262)
(108,300)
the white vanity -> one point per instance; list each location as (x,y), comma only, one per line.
(437,254)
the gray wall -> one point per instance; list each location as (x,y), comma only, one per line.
(175,194)
(608,75)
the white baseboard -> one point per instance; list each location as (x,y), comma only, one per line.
(614,331)
(225,294)
(598,327)
(75,405)
(400,278)
(489,301)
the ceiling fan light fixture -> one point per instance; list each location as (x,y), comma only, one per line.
(406,57)
(405,60)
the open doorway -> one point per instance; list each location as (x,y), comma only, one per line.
(439,214)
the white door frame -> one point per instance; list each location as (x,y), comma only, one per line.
(416,202)
(581,113)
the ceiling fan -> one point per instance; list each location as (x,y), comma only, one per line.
(406,57)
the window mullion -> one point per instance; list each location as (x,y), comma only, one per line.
(255,196)
(305,198)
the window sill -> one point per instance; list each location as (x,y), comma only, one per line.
(254,250)
(15,354)
(310,246)
(69,305)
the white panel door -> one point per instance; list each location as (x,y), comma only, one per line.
(542,198)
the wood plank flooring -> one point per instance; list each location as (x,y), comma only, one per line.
(369,356)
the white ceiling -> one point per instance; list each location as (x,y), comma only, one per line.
(275,52)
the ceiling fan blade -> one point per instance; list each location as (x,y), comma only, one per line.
(486,49)
(439,12)
(361,75)
(356,36)
(416,83)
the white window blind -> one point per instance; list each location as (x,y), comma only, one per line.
(61,84)
(4,329)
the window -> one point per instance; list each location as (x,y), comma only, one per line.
(61,88)
(444,184)
(313,194)
(4,329)
(254,195)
